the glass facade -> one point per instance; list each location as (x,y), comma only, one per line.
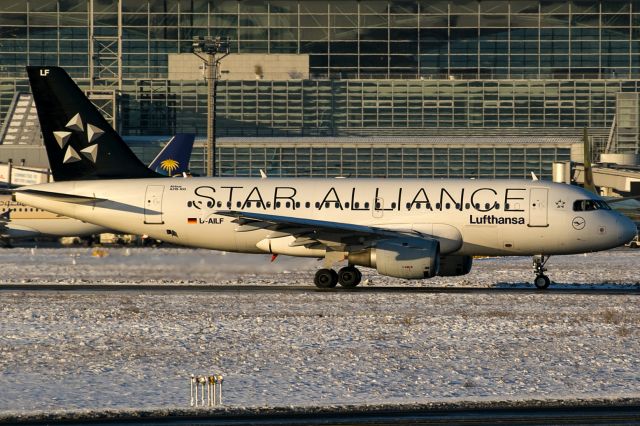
(344,38)
(376,68)
(417,161)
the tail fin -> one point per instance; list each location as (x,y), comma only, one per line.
(80,144)
(588,171)
(174,157)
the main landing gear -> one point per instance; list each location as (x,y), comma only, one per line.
(541,281)
(347,277)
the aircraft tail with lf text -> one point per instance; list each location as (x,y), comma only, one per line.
(80,143)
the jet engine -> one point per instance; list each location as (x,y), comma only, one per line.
(451,266)
(410,258)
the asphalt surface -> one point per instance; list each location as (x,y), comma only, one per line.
(612,412)
(84,288)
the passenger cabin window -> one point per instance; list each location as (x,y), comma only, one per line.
(589,205)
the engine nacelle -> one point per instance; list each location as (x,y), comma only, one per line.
(451,266)
(410,258)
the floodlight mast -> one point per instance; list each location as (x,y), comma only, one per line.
(214,49)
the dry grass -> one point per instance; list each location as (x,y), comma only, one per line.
(408,320)
(499,314)
(623,332)
(611,316)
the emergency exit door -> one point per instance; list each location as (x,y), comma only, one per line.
(538,207)
(153,204)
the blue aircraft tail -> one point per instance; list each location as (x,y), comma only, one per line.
(174,158)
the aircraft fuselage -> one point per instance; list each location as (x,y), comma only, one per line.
(469,217)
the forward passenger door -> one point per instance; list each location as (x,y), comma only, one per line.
(153,204)
(538,215)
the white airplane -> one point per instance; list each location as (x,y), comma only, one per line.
(406,228)
(18,221)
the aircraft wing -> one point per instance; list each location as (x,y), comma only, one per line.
(317,233)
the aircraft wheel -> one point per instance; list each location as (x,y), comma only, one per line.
(349,277)
(326,278)
(542,282)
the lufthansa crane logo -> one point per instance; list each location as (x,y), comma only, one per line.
(169,165)
(578,223)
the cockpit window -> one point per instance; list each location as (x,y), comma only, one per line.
(589,205)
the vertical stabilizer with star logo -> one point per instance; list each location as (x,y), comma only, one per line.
(80,144)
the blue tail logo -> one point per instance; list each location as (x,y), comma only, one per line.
(174,157)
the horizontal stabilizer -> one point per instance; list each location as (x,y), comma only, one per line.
(65,198)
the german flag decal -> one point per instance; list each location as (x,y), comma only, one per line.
(192,221)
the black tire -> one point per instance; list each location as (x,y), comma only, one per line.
(633,245)
(349,277)
(326,278)
(542,282)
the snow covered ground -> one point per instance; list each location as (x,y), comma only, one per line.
(128,349)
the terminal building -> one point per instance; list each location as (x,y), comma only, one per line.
(397,88)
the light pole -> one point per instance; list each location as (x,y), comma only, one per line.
(215,49)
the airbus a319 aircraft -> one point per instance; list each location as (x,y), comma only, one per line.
(406,228)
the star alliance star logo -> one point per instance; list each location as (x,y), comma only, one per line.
(560,204)
(76,125)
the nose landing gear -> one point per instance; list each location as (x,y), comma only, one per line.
(541,281)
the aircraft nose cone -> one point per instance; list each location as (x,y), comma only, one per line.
(627,228)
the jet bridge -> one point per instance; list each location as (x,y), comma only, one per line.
(611,179)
